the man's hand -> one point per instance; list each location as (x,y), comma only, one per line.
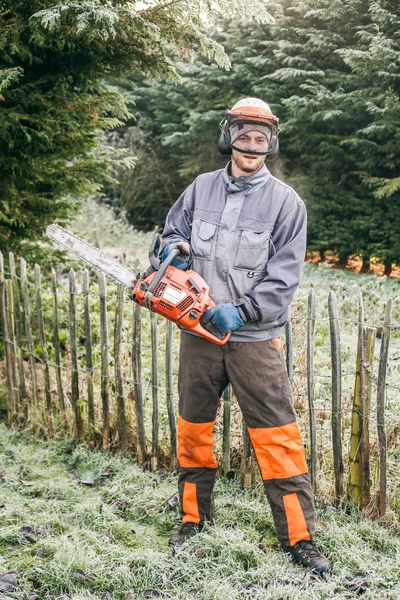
(224,317)
(183,259)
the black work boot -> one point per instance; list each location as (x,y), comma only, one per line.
(187,531)
(306,554)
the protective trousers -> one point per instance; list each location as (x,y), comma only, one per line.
(259,379)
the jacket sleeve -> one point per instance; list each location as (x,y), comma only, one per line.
(178,224)
(271,297)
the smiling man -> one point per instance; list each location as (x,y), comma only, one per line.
(244,232)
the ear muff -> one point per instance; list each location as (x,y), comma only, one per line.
(223,146)
(273,148)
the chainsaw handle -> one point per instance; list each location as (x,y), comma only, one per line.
(163,269)
(204,333)
(160,274)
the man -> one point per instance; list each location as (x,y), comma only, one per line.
(244,232)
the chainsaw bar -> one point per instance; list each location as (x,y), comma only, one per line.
(91,255)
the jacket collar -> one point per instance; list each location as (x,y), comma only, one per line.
(247,185)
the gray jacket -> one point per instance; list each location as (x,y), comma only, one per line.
(248,240)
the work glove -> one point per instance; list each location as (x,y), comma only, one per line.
(224,317)
(182,261)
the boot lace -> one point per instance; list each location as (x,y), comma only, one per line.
(307,548)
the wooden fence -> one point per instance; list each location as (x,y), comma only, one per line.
(64,371)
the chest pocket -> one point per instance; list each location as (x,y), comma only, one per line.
(203,239)
(253,250)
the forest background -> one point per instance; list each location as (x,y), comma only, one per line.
(122,101)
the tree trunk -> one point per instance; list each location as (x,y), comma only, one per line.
(343,260)
(388,268)
(322,255)
(366,265)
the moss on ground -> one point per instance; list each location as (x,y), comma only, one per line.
(80,524)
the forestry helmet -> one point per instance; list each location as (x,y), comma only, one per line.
(238,120)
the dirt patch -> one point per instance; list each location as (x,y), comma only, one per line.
(354,264)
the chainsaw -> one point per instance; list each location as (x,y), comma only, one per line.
(180,296)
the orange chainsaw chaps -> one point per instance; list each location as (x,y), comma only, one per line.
(181,297)
(196,445)
(279,451)
(297,525)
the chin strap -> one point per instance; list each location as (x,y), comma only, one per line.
(253,153)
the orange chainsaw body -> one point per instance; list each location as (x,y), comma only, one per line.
(181,297)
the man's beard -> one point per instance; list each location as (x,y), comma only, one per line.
(248,169)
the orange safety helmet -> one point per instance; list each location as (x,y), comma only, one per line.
(248,111)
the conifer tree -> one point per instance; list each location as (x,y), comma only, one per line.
(330,72)
(58,63)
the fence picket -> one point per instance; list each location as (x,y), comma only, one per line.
(9,373)
(45,359)
(310,386)
(9,306)
(368,367)
(104,361)
(56,344)
(170,392)
(18,336)
(137,376)
(75,400)
(226,434)
(246,465)
(380,409)
(28,331)
(121,415)
(88,356)
(354,483)
(289,348)
(336,396)
(154,388)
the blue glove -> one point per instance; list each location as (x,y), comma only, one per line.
(224,317)
(182,261)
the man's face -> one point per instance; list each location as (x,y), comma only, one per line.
(247,162)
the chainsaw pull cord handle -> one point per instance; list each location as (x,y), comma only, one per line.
(160,274)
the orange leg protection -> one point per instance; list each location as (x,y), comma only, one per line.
(297,526)
(279,451)
(196,444)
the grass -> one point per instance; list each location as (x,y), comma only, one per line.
(107,538)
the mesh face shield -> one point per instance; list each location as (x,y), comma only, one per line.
(250,137)
(233,125)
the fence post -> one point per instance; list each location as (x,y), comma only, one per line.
(368,367)
(56,342)
(75,400)
(9,306)
(119,320)
(137,377)
(154,386)
(289,347)
(88,355)
(380,408)
(10,387)
(28,331)
(226,435)
(336,396)
(359,476)
(170,391)
(354,485)
(18,335)
(104,361)
(310,386)
(42,336)
(247,474)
